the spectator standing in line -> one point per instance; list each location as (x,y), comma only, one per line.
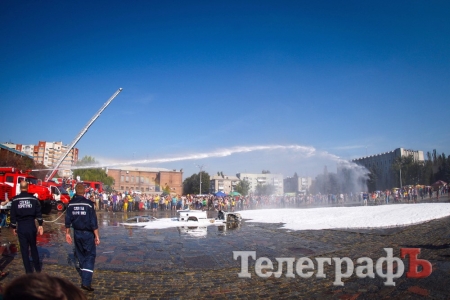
(105,199)
(155,203)
(3,214)
(130,203)
(125,204)
(137,201)
(173,203)
(3,224)
(97,201)
(365,197)
(70,191)
(114,201)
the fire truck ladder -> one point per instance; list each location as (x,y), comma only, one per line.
(80,135)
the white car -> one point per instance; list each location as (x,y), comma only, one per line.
(200,216)
(139,221)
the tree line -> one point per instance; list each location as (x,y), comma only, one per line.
(435,167)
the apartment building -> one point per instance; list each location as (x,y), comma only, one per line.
(222,183)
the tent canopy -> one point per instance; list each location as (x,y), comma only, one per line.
(220,194)
(439,183)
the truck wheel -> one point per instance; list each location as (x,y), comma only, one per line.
(60,206)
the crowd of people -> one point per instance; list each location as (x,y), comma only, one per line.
(134,201)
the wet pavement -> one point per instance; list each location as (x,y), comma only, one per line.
(191,262)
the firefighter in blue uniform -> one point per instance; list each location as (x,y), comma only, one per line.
(81,215)
(25,208)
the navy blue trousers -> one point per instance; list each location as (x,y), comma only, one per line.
(26,233)
(85,250)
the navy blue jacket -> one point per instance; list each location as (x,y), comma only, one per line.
(81,214)
(24,209)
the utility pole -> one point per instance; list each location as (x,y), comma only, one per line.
(200,177)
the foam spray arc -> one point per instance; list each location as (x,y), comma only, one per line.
(307,151)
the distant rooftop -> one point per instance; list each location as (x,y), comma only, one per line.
(15,151)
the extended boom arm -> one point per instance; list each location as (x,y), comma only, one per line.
(78,137)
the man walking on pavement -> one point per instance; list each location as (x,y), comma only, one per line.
(25,208)
(81,215)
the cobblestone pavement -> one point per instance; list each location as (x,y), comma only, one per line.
(187,263)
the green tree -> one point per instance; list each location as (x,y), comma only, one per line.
(17,161)
(372,181)
(264,190)
(427,174)
(92,174)
(242,187)
(87,161)
(409,169)
(191,185)
(444,168)
(327,183)
(333,184)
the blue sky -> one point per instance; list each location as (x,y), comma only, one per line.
(348,78)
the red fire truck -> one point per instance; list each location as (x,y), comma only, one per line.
(10,179)
(61,197)
(88,185)
(94,185)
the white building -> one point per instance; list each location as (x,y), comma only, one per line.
(297,184)
(276,180)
